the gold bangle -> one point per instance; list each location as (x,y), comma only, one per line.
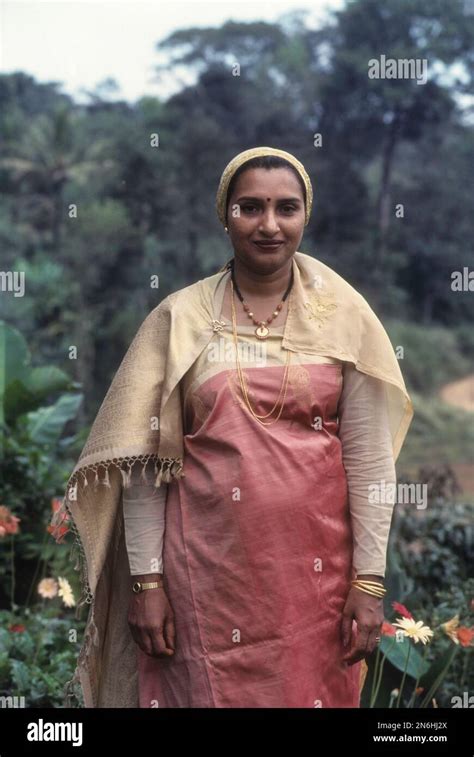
(370,584)
(367,591)
(373,584)
(372,590)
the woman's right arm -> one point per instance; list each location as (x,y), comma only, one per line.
(144,508)
(150,615)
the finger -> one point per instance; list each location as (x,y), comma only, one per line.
(158,643)
(360,648)
(346,630)
(372,642)
(355,656)
(140,639)
(145,642)
(170,633)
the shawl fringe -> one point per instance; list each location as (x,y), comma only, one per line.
(165,468)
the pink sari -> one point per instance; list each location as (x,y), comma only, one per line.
(258,544)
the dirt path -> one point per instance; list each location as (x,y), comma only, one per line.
(460,393)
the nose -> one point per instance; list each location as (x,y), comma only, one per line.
(269,224)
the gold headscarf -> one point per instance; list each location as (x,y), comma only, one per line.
(255,152)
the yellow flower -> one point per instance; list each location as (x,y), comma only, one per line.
(450,628)
(48,588)
(414,630)
(65,592)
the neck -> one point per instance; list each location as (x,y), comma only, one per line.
(263,286)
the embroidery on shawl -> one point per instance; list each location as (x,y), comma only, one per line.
(320,306)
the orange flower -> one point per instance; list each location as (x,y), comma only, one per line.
(388,629)
(465,636)
(451,628)
(8,522)
(459,634)
(402,610)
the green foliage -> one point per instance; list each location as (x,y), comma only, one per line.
(431,356)
(33,464)
(403,654)
(429,572)
(434,547)
(35,663)
(438,434)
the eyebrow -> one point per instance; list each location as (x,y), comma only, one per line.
(258,199)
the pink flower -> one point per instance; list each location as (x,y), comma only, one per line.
(402,610)
(17,627)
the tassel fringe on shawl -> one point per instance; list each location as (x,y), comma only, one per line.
(165,469)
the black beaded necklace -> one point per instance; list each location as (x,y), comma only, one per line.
(262,330)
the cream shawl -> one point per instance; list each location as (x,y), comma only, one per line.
(140,419)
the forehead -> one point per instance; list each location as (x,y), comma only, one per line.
(261,181)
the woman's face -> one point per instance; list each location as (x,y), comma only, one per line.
(270,207)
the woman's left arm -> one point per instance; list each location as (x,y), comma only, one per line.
(370,468)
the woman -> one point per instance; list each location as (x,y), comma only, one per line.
(271,404)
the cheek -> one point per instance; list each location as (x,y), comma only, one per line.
(243,226)
(293,227)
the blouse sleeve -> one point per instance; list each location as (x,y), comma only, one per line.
(368,460)
(144,518)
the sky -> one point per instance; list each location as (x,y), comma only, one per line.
(81,44)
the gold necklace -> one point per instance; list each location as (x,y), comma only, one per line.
(242,378)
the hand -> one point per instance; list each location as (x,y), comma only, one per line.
(151,622)
(369,614)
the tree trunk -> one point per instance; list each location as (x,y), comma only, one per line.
(383,198)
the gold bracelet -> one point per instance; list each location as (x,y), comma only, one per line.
(375,584)
(370,584)
(368,591)
(371,588)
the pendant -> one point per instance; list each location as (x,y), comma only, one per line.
(261,332)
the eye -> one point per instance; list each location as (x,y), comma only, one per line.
(289,208)
(247,207)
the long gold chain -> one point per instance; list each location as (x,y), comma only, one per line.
(242,378)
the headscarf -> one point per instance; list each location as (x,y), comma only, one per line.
(256,152)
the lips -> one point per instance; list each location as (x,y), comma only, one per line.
(269,245)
